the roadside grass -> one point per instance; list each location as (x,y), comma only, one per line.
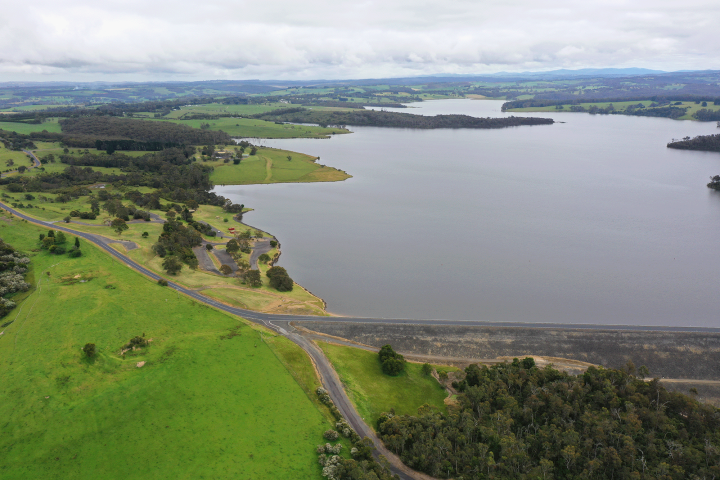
(51,126)
(372,392)
(211,401)
(271,165)
(253,128)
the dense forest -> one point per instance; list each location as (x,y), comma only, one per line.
(518,421)
(372,118)
(708,143)
(171,171)
(137,134)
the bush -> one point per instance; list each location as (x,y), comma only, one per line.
(225,269)
(264,258)
(391,362)
(89,350)
(74,252)
(252,278)
(162,282)
(426,369)
(331,435)
(172,265)
(279,279)
(273,243)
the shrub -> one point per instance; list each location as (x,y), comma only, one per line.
(391,362)
(279,279)
(426,369)
(273,243)
(89,349)
(162,282)
(74,252)
(225,269)
(331,435)
(264,258)
(252,278)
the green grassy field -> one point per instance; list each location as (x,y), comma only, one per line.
(252,128)
(206,404)
(270,165)
(19,158)
(217,108)
(373,392)
(25,128)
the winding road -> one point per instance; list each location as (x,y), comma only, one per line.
(281,324)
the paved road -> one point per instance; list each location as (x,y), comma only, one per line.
(260,247)
(280,323)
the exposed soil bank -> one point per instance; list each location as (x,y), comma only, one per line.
(667,354)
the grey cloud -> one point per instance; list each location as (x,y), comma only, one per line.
(320,38)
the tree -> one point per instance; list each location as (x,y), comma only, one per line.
(225,269)
(289,157)
(10,163)
(279,279)
(172,265)
(66,219)
(77,242)
(264,258)
(273,243)
(145,234)
(253,150)
(22,168)
(89,350)
(208,246)
(232,246)
(426,369)
(391,362)
(253,278)
(119,225)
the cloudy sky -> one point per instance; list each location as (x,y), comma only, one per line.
(217,39)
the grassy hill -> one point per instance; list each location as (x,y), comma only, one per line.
(213,399)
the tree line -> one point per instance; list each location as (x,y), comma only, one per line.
(707,143)
(13,268)
(518,421)
(374,118)
(131,134)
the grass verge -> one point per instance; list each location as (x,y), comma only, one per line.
(372,392)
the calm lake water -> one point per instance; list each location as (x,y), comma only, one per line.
(589,221)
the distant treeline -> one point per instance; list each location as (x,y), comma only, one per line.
(660,110)
(707,143)
(138,134)
(372,118)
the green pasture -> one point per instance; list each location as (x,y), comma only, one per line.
(252,128)
(51,126)
(18,158)
(271,165)
(372,392)
(213,399)
(217,108)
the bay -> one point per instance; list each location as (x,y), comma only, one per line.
(589,221)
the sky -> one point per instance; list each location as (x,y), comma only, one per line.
(131,40)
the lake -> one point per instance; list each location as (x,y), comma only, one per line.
(589,221)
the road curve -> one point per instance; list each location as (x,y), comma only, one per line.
(329,378)
(280,324)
